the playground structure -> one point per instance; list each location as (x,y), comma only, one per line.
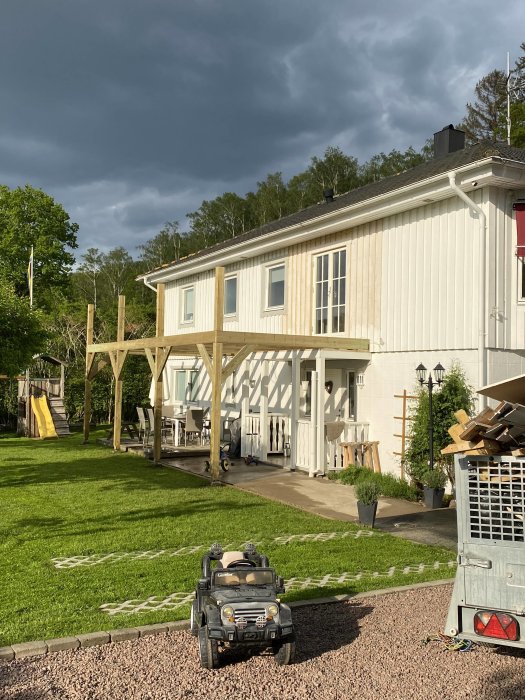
(41,411)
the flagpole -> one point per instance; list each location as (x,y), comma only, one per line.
(30,284)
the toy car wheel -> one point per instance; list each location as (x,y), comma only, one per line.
(208,649)
(194,619)
(225,465)
(284,653)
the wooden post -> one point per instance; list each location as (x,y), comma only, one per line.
(296,397)
(158,378)
(216,376)
(117,370)
(263,412)
(89,362)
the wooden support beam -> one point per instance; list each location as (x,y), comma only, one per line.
(215,413)
(117,363)
(216,376)
(89,362)
(236,361)
(205,358)
(151,360)
(96,366)
(160,361)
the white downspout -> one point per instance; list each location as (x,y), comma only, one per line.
(482,291)
(148,284)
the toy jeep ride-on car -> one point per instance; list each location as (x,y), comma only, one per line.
(236,606)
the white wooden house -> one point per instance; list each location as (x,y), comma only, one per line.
(422,264)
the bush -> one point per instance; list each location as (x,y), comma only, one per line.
(367,491)
(454,394)
(434,479)
(391,486)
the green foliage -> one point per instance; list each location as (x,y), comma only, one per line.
(434,478)
(21,331)
(29,217)
(390,486)
(455,394)
(367,491)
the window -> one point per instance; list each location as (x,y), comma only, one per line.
(352,395)
(187,304)
(275,297)
(186,385)
(230,296)
(330,292)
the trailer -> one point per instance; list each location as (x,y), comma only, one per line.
(488,600)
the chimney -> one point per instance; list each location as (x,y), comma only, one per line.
(447,141)
(328,195)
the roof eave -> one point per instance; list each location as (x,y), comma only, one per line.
(471,176)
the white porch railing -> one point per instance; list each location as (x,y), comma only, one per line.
(278,432)
(353,432)
(305,457)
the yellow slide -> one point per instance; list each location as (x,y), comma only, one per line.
(46,427)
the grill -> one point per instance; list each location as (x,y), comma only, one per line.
(496,500)
(249,614)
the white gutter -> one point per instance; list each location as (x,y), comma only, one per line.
(376,207)
(482,291)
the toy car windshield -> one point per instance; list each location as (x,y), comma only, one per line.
(243,577)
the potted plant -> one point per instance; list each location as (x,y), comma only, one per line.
(434,481)
(367,492)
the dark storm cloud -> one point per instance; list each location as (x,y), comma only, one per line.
(131,112)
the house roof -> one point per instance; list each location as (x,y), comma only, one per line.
(426,171)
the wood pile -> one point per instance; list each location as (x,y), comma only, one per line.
(493,431)
(364,454)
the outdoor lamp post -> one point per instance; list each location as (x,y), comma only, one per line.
(431,382)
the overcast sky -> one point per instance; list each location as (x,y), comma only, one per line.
(132,112)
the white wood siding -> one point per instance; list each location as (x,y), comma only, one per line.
(430,266)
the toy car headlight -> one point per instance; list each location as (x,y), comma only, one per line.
(228,613)
(272,610)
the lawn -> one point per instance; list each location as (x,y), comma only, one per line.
(61,499)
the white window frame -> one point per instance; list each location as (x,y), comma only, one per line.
(330,284)
(191,385)
(268,271)
(351,395)
(230,278)
(186,318)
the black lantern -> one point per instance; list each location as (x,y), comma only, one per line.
(439,373)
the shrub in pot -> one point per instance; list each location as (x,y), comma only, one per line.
(367,492)
(434,481)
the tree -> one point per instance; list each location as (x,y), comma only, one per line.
(29,217)
(486,117)
(384,165)
(167,246)
(88,273)
(335,171)
(219,219)
(455,393)
(21,331)
(271,200)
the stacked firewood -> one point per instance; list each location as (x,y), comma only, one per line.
(499,430)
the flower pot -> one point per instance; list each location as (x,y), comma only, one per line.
(433,498)
(367,513)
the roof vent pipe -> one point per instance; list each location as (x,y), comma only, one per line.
(328,195)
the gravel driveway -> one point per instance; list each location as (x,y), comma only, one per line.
(367,649)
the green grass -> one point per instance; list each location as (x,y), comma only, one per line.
(62,498)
